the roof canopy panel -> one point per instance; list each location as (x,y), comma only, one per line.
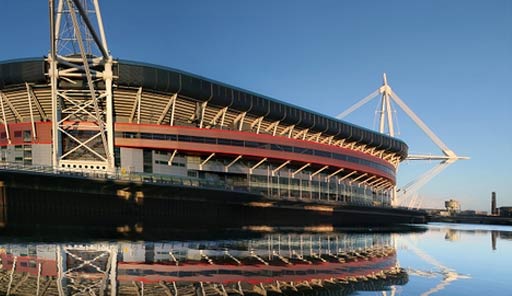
(167,80)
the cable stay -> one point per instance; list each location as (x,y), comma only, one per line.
(386,126)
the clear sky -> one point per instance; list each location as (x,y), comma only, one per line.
(451,61)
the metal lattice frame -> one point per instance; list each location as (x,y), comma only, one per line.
(80,71)
(93,270)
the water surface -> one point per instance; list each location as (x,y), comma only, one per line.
(437,259)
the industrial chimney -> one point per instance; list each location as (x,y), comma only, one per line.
(494,211)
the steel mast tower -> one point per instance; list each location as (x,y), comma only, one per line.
(81,78)
(407,192)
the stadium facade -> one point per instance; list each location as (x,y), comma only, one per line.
(171,125)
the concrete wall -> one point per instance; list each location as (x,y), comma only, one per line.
(13,153)
(161,165)
(42,154)
(131,160)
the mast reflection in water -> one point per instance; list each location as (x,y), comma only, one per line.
(271,264)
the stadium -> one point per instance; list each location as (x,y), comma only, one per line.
(136,141)
(170,123)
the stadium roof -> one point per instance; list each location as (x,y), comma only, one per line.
(168,80)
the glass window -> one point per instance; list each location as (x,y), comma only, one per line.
(322,153)
(183,138)
(147,159)
(210,140)
(27,137)
(158,137)
(224,142)
(237,143)
(130,135)
(171,137)
(252,144)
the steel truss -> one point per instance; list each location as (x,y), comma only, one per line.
(81,77)
(87,269)
(408,192)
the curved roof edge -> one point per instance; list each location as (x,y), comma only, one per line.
(167,79)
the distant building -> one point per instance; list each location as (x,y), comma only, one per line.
(452,206)
(505,211)
(468,212)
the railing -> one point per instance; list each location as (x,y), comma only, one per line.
(118,175)
(271,190)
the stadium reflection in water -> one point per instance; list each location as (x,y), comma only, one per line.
(268,264)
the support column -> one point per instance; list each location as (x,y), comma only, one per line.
(319,171)
(205,161)
(274,171)
(109,109)
(226,168)
(56,135)
(171,158)
(257,165)
(4,119)
(346,176)
(300,170)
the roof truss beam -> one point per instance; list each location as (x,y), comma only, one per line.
(257,122)
(273,126)
(288,130)
(32,123)
(302,134)
(17,115)
(4,118)
(220,115)
(239,119)
(170,103)
(327,140)
(136,106)
(203,111)
(315,137)
(33,97)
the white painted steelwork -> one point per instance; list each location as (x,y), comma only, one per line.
(80,59)
(386,116)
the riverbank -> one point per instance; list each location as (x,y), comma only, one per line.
(473,219)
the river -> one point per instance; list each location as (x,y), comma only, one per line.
(433,259)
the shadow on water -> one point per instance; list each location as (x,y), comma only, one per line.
(55,233)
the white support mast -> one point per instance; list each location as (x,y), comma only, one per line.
(386,117)
(81,78)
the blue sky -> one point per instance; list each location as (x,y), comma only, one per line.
(451,61)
